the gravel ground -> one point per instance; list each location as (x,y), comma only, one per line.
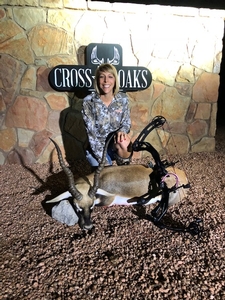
(125,256)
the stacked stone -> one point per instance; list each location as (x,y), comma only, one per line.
(182,48)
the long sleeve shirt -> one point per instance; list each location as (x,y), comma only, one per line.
(101,120)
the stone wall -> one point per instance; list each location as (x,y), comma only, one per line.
(180,46)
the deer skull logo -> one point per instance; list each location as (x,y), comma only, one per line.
(96,61)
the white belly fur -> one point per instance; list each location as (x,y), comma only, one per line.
(118,200)
(174,197)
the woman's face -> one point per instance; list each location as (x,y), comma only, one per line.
(106,82)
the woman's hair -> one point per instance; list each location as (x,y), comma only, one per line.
(106,68)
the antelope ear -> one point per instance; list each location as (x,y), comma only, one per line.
(62,196)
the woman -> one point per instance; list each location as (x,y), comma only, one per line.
(104,111)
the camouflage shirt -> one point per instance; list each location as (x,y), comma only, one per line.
(100,120)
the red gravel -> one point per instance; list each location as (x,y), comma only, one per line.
(125,257)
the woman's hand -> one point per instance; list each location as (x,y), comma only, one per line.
(121,137)
(121,143)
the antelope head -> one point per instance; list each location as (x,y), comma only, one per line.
(82,191)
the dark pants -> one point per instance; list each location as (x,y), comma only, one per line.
(109,156)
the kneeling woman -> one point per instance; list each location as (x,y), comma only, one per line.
(104,111)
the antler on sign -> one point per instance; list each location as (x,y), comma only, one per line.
(94,59)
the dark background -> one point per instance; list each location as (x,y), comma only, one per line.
(198,4)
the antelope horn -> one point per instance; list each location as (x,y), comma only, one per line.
(75,193)
(93,189)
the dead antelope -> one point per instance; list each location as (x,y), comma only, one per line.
(119,185)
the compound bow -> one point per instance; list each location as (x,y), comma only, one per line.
(157,180)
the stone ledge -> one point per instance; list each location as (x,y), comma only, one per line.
(76,4)
(207,12)
(34,3)
(97,5)
(130,8)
